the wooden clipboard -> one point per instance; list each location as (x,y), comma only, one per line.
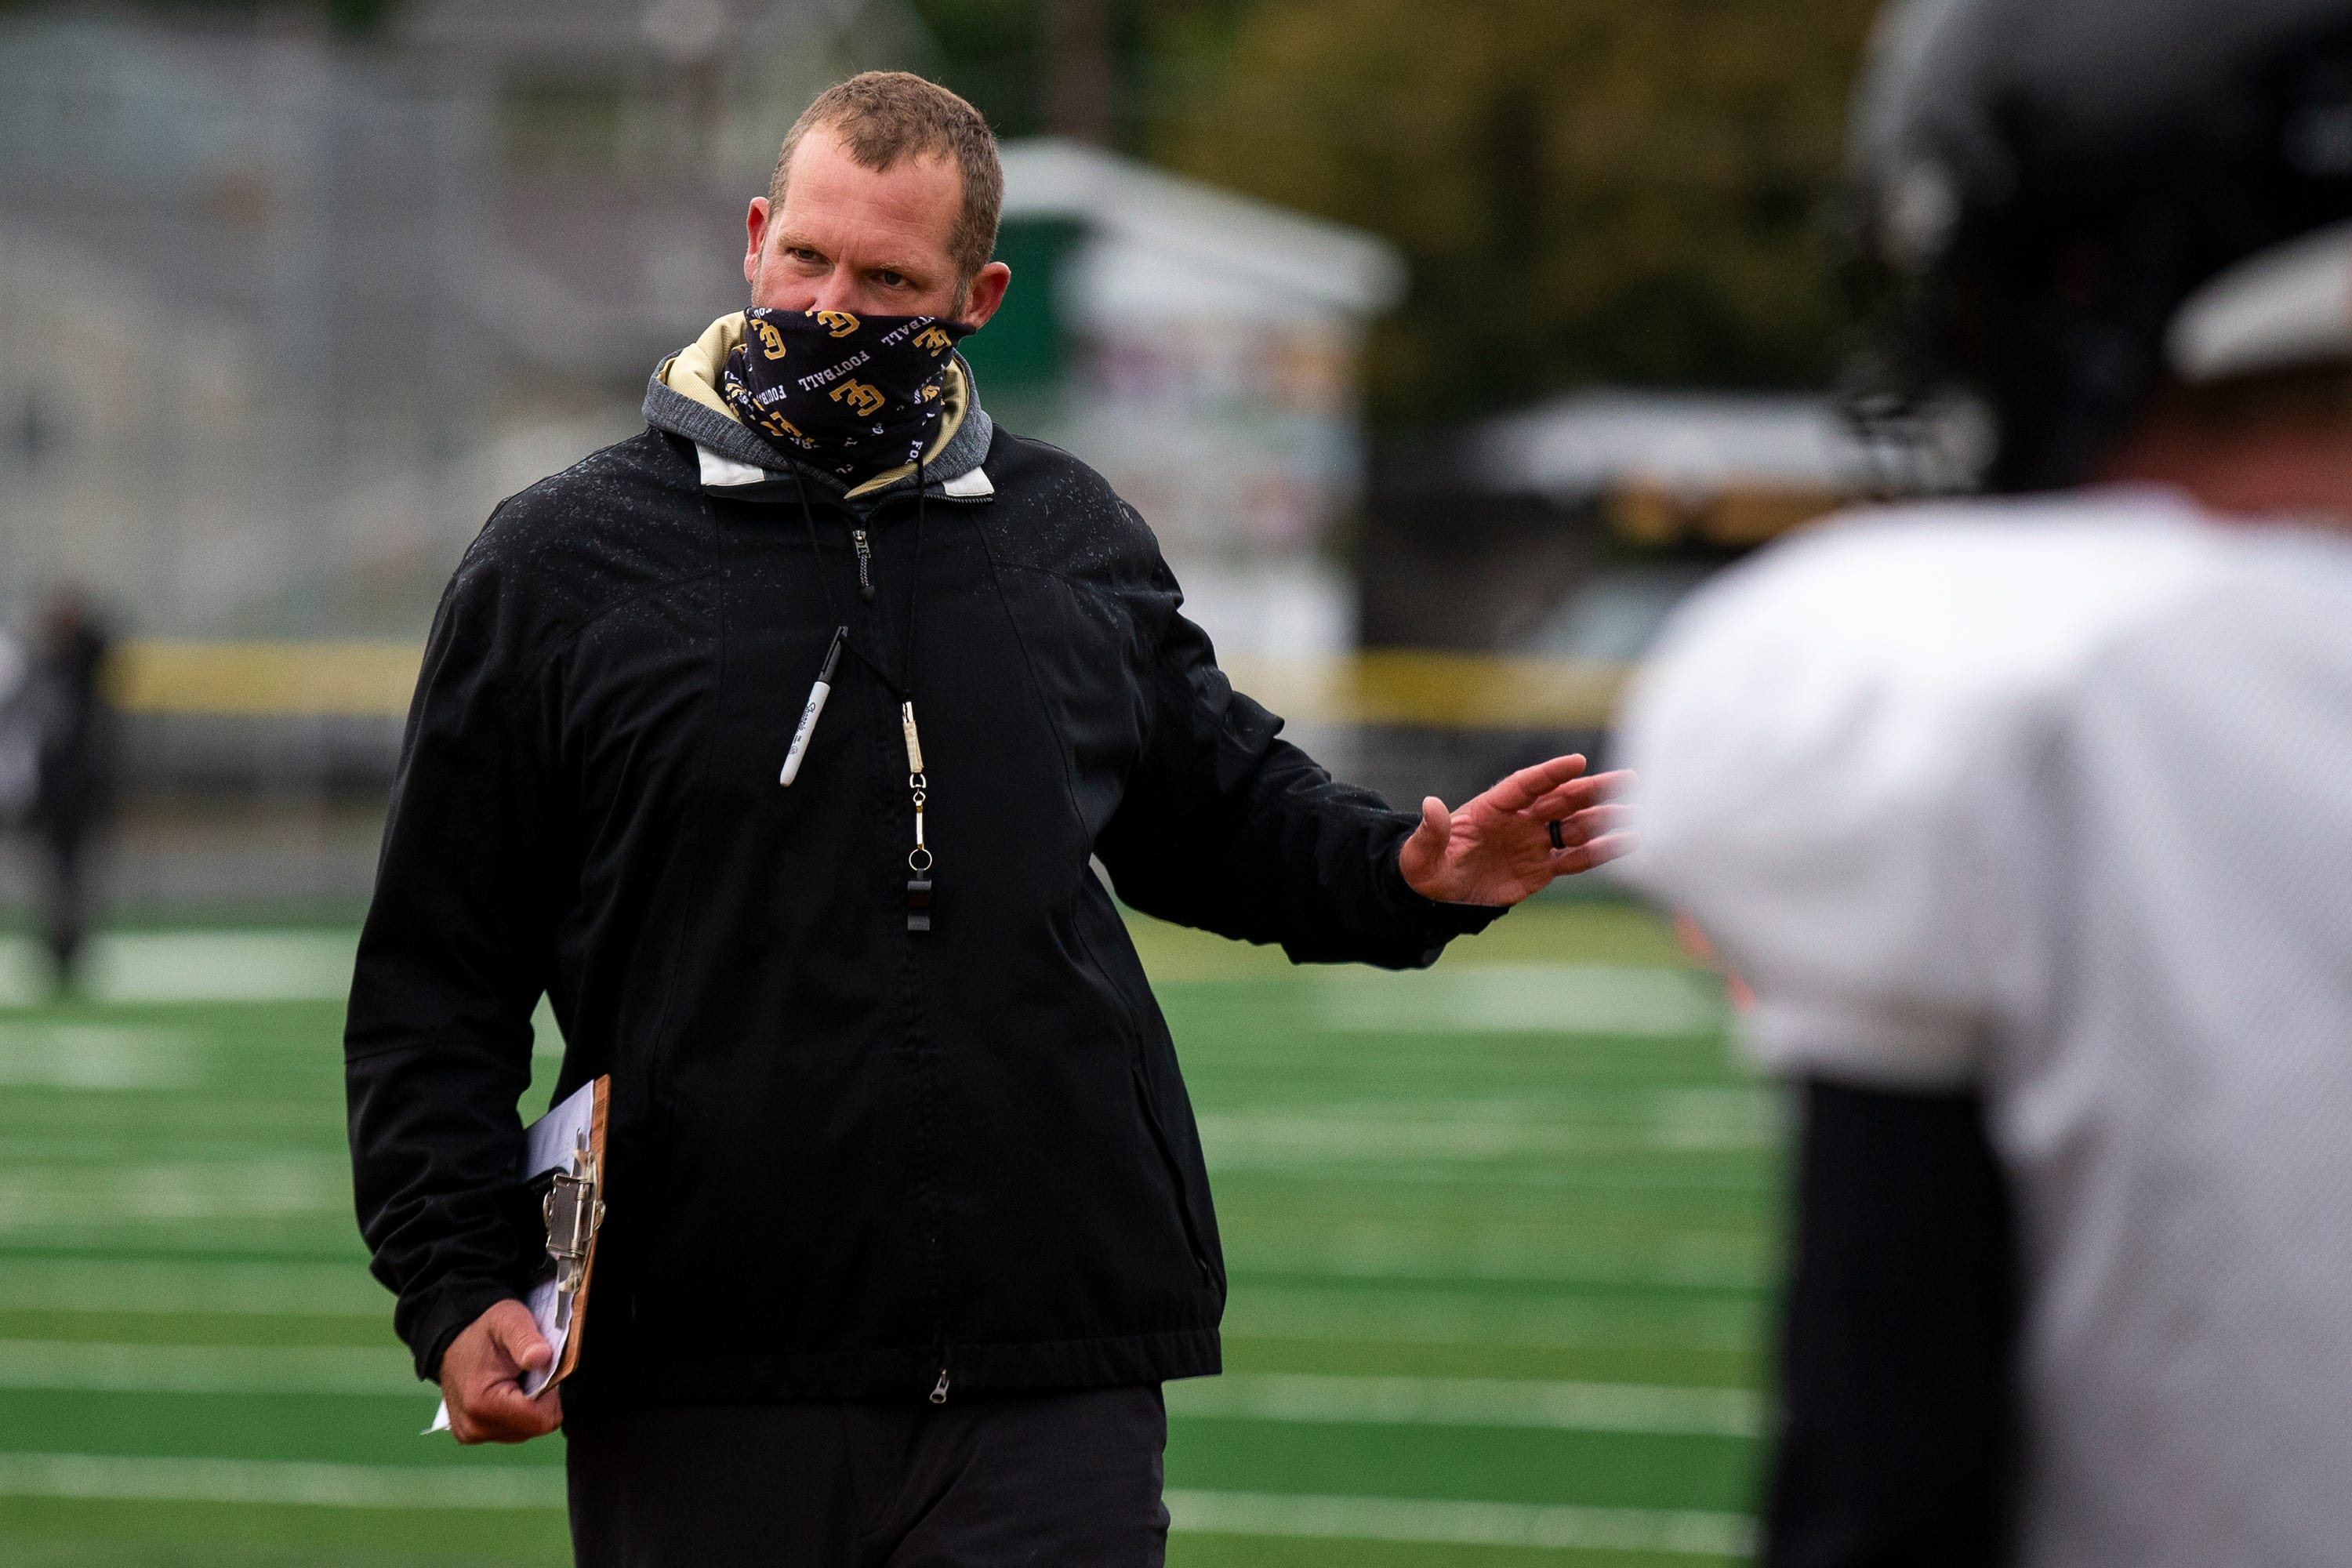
(569,1140)
(559,1304)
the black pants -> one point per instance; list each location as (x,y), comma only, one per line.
(64,894)
(1054,1481)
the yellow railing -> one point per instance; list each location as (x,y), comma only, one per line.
(374,679)
(265,680)
(1439,690)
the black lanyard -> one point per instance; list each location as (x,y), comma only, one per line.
(918,859)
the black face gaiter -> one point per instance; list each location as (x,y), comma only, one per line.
(851,394)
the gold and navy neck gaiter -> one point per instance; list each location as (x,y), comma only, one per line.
(851,394)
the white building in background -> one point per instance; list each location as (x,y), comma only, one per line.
(1203,350)
(1697,445)
(377,287)
(1677,482)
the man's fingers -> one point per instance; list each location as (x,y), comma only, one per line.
(1583,826)
(528,1349)
(498,1410)
(1421,857)
(1592,853)
(1527,786)
(498,1413)
(516,1337)
(1436,827)
(480,1374)
(1577,795)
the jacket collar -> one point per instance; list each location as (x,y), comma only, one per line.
(721,472)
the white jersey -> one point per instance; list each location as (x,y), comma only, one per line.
(2053,799)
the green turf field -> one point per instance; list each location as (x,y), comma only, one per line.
(1499,1235)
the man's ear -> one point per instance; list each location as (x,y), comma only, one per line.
(755,224)
(986,293)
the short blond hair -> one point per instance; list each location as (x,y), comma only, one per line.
(884,116)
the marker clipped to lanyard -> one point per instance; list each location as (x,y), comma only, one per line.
(919,861)
(817,694)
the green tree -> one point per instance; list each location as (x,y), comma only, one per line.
(990,52)
(1587,190)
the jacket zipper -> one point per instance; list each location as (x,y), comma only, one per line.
(865,548)
(864,563)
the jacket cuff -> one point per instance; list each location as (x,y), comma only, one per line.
(1430,920)
(445,1313)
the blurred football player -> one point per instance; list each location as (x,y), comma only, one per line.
(2028,818)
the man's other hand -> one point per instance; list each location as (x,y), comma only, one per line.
(481,1375)
(1500,848)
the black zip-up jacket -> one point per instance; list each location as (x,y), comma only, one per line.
(847,1159)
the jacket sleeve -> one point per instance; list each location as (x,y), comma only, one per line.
(454,954)
(1226,826)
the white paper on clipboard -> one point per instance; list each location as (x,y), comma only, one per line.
(547,1145)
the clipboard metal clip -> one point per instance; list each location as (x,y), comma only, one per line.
(573,1209)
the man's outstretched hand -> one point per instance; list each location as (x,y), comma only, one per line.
(480,1379)
(1497,850)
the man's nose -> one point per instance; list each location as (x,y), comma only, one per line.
(836,290)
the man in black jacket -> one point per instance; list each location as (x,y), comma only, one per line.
(907,1215)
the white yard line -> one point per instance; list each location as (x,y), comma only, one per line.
(94,1367)
(1531,998)
(1499,1256)
(1374,1310)
(1416,1520)
(156,966)
(50,1054)
(120,1478)
(195,966)
(1676,1120)
(118,1368)
(116,1284)
(1443,1522)
(1528,998)
(113,1194)
(1469,1402)
(1458,1318)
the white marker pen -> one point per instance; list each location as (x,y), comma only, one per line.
(817,694)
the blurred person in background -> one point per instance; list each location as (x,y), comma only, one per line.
(67,726)
(2027,818)
(909,1219)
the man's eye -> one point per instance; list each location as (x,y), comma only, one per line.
(803,252)
(890,279)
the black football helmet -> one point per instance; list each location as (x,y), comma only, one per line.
(2055,203)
